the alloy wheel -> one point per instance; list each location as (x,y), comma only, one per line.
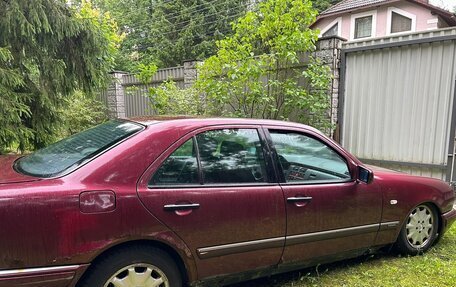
(138,275)
(420,226)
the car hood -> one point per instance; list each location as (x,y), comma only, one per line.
(8,174)
(378,169)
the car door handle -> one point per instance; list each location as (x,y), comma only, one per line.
(299,198)
(189,206)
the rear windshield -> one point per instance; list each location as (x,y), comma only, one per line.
(69,153)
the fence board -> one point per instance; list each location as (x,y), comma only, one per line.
(398,103)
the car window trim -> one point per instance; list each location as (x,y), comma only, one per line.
(198,160)
(268,157)
(236,127)
(275,157)
(317,182)
(271,178)
(213,185)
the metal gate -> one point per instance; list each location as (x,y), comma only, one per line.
(397,102)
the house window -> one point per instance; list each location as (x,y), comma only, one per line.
(332,31)
(400,21)
(363,27)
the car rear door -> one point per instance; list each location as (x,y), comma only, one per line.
(215,189)
(328,212)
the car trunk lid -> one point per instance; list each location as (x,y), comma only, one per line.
(8,174)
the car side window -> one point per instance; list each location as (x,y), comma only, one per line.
(180,168)
(306,159)
(231,156)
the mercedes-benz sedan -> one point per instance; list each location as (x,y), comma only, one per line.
(202,202)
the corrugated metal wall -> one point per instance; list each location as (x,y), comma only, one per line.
(398,105)
(174,73)
(137,102)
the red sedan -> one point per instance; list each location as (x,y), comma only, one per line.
(202,202)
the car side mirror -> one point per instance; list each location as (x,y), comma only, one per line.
(365,175)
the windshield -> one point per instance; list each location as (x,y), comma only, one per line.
(69,153)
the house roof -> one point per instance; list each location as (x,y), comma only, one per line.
(347,6)
(350,5)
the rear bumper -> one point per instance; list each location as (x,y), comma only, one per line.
(448,219)
(55,276)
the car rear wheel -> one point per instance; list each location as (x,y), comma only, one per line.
(419,230)
(137,266)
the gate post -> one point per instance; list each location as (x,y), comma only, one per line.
(116,96)
(328,51)
(190,73)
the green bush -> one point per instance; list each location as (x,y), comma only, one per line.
(169,99)
(80,112)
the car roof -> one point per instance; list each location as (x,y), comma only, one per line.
(189,123)
(204,121)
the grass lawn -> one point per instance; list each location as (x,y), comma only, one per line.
(435,268)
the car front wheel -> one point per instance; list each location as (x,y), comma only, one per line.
(137,266)
(419,230)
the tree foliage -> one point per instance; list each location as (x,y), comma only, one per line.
(13,103)
(168,32)
(106,26)
(169,99)
(259,71)
(47,51)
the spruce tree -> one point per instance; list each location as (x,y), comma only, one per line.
(47,51)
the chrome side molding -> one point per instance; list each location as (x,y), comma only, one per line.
(247,246)
(40,270)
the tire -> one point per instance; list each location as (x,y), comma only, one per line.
(419,231)
(136,266)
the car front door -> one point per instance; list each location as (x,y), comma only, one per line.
(328,212)
(214,189)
